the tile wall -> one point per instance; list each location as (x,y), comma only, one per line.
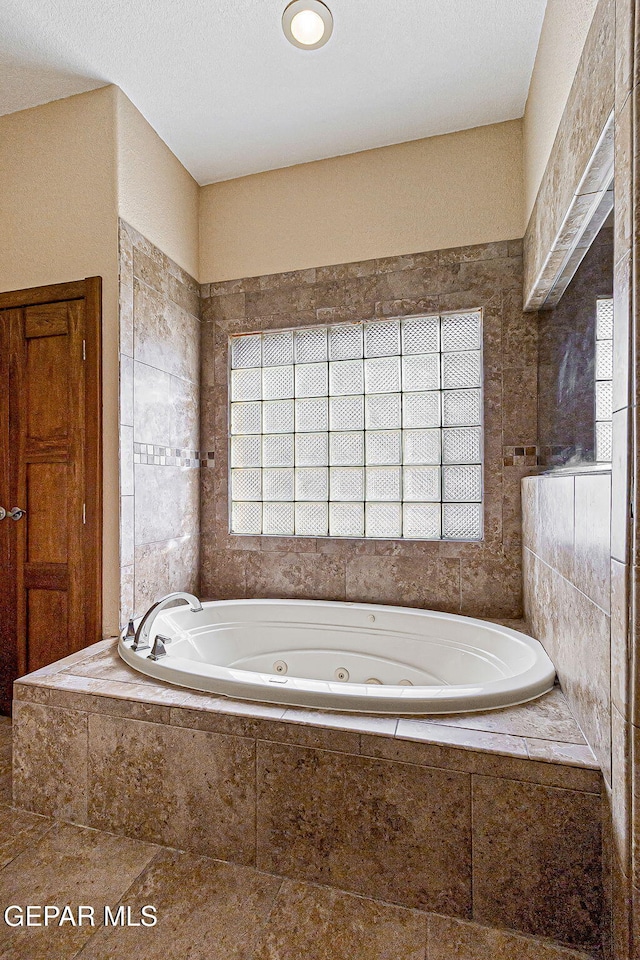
(574,622)
(482,579)
(566,533)
(159,425)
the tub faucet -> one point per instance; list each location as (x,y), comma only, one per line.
(141,639)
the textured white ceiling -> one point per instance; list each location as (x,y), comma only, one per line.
(230,96)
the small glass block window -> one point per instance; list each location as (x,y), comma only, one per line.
(365,429)
(604,381)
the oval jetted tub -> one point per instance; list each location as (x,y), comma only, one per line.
(345,656)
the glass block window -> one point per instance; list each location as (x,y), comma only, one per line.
(604,381)
(359,430)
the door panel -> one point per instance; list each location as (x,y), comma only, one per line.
(51,554)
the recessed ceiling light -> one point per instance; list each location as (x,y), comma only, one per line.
(307,24)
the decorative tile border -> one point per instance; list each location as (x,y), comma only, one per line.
(165,456)
(523,456)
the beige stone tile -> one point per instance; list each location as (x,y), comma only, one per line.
(50,761)
(184,788)
(426,754)
(592,552)
(403,833)
(68,865)
(167,502)
(106,665)
(546,718)
(6,789)
(152,406)
(545,879)
(576,635)
(620,520)
(295,575)
(165,336)
(398,580)
(491,586)
(573,754)
(18,829)
(207,910)
(450,939)
(621,694)
(461,737)
(322,924)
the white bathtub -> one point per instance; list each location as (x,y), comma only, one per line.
(346,656)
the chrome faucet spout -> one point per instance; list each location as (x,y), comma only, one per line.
(141,639)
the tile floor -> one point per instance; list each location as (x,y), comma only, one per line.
(208,909)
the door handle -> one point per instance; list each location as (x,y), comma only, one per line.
(16,513)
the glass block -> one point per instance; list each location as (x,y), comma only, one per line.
(277,416)
(311,345)
(246,417)
(384,447)
(462,483)
(277,348)
(246,484)
(421,446)
(421,409)
(246,518)
(382,375)
(604,400)
(461,408)
(382,339)
(346,377)
(421,483)
(246,451)
(312,483)
(346,519)
(246,385)
(246,351)
(277,383)
(604,319)
(345,342)
(278,519)
(346,483)
(462,445)
(277,484)
(460,370)
(277,450)
(604,359)
(420,335)
(604,443)
(312,414)
(346,449)
(421,372)
(311,380)
(462,521)
(461,332)
(384,483)
(383,411)
(312,519)
(346,413)
(311,450)
(383,520)
(421,521)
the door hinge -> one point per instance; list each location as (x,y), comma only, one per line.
(84,349)
(84,513)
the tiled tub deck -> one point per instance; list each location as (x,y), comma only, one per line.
(494,817)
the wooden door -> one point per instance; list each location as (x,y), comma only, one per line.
(50,440)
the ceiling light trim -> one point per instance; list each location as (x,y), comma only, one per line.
(315,6)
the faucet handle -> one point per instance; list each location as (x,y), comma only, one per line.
(159,649)
(129,631)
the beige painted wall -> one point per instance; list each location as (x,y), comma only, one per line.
(449,191)
(156,195)
(564,31)
(58,212)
